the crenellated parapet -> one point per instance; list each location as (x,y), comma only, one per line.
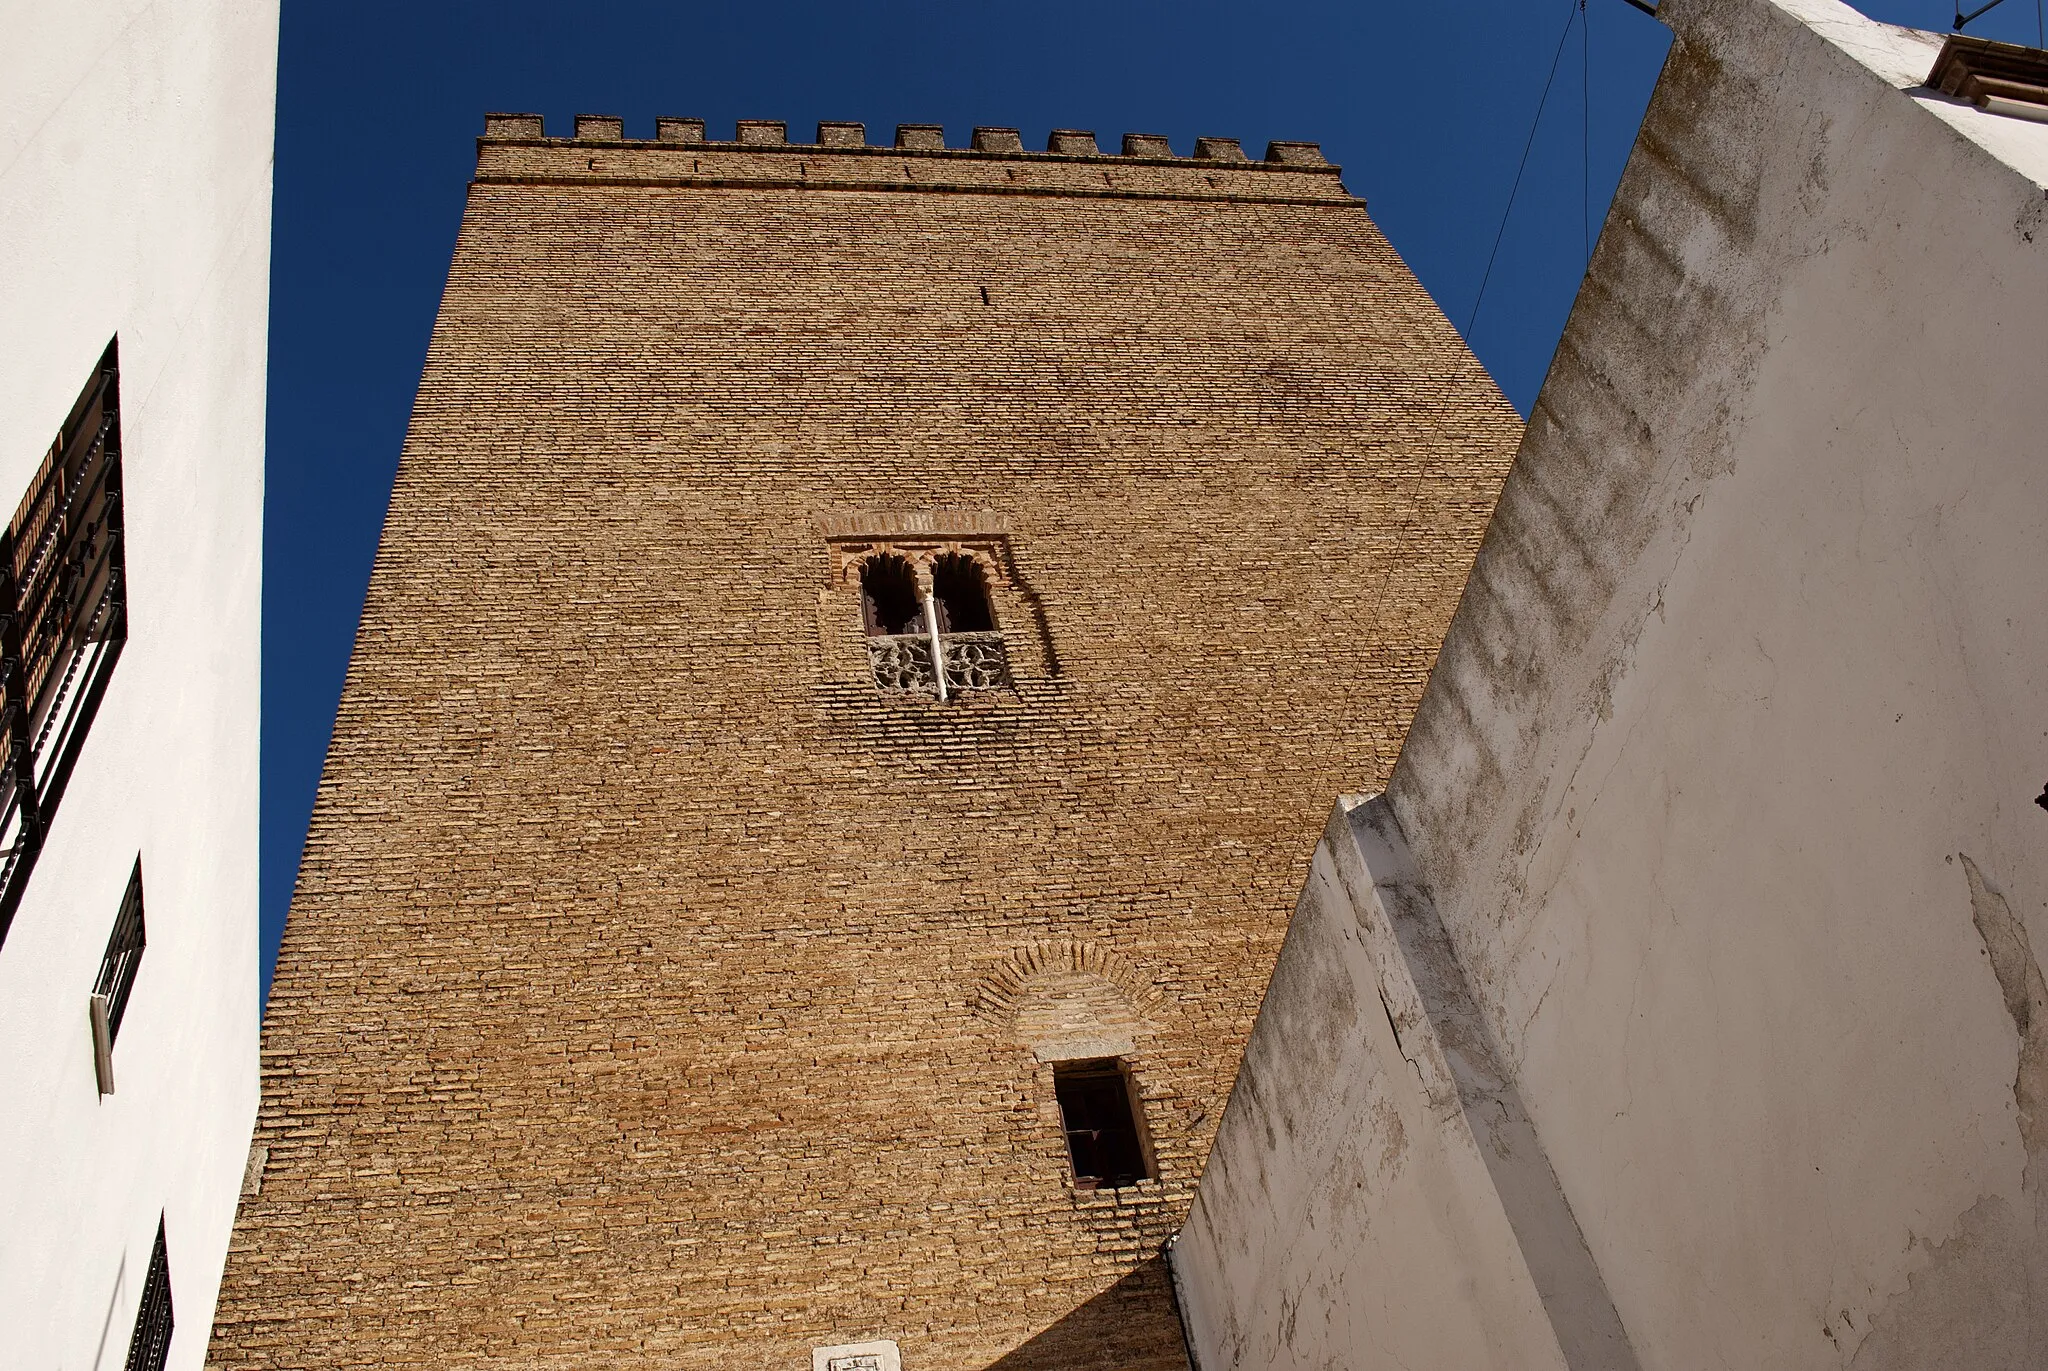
(515,149)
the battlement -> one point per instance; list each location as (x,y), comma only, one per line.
(515,149)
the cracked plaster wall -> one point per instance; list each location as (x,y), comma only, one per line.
(1347,1215)
(1751,658)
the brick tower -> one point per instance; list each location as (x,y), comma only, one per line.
(675,978)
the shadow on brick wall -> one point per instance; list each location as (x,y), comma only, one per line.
(1131,1326)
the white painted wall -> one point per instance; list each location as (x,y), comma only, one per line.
(135,145)
(1722,787)
(1375,1195)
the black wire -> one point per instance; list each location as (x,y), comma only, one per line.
(1571,14)
(1586,129)
(1974,15)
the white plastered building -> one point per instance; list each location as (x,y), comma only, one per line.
(1680,1004)
(135,205)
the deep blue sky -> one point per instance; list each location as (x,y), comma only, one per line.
(1426,105)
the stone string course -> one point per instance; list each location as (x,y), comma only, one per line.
(632,1012)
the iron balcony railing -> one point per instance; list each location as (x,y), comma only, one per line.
(63,620)
(902,662)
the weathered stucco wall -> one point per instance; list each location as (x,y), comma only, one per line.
(1748,674)
(1376,1196)
(1722,786)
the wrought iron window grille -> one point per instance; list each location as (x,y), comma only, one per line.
(63,621)
(150,1347)
(118,966)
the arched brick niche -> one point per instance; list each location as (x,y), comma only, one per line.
(1064,1001)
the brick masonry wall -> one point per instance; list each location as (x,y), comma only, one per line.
(659,994)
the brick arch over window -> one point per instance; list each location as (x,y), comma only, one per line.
(1068,1000)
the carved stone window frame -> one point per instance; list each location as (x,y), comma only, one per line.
(969,663)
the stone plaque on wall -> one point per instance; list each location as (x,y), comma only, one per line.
(858,1356)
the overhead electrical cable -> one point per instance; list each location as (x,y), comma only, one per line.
(1586,129)
(1571,15)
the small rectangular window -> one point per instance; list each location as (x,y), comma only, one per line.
(117,978)
(1100,1116)
(63,620)
(150,1348)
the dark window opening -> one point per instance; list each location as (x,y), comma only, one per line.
(960,595)
(1101,1122)
(123,955)
(150,1348)
(888,597)
(63,619)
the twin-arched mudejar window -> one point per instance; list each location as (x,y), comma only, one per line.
(930,624)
